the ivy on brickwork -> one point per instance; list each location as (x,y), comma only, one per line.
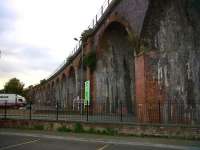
(90,60)
(195,4)
(85,34)
(134,40)
(140,46)
(43,81)
(70,59)
(143,49)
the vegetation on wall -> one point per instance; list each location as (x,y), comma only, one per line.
(43,81)
(70,59)
(90,60)
(143,49)
(195,4)
(134,40)
(85,34)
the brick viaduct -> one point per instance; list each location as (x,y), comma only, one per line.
(146,51)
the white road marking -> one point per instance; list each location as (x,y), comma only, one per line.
(104,147)
(146,144)
(18,145)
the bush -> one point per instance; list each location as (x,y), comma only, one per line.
(90,60)
(91,130)
(64,129)
(70,59)
(85,34)
(38,127)
(43,81)
(110,131)
(78,128)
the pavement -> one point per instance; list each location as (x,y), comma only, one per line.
(11,139)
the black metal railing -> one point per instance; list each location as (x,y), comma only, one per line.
(155,113)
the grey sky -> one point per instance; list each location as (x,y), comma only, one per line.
(37,35)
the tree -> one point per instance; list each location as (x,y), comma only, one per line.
(14,86)
(2,91)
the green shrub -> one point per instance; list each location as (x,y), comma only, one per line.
(64,129)
(70,58)
(43,81)
(92,130)
(110,131)
(90,60)
(38,127)
(78,128)
(85,34)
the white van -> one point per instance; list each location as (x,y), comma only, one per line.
(12,100)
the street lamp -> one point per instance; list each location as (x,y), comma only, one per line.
(81,67)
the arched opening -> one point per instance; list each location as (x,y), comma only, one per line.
(81,78)
(48,96)
(53,96)
(115,69)
(64,90)
(71,87)
(43,95)
(58,93)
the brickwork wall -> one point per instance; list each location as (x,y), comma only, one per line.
(164,36)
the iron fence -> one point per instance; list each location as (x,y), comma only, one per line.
(155,113)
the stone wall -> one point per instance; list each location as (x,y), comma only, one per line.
(177,132)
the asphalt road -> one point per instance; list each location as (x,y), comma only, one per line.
(27,142)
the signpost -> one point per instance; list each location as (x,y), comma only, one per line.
(87,93)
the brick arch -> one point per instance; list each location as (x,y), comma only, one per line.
(52,84)
(120,20)
(63,76)
(48,85)
(71,71)
(57,80)
(71,86)
(115,71)
(79,62)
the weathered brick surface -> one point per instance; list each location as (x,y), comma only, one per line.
(156,58)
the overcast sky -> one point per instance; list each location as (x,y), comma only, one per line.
(37,35)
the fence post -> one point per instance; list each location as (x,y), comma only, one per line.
(57,111)
(121,113)
(5,110)
(87,110)
(30,111)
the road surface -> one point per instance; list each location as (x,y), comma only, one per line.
(30,141)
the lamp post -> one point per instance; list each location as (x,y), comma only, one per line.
(81,67)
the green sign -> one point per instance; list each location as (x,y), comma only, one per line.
(87,93)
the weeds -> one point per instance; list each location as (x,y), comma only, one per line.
(64,129)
